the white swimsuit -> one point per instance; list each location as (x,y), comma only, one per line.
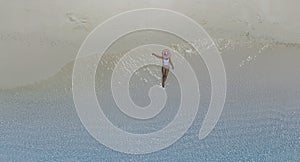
(166,63)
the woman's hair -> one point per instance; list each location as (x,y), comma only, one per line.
(166,53)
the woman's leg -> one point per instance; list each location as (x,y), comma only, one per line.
(163,76)
(165,72)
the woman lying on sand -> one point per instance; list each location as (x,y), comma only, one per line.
(166,62)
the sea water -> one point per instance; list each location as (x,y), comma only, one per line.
(260,119)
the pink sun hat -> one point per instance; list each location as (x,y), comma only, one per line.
(166,53)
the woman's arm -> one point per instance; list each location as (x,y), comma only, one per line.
(171,63)
(157,55)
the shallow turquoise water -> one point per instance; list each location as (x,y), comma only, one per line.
(35,129)
(260,120)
